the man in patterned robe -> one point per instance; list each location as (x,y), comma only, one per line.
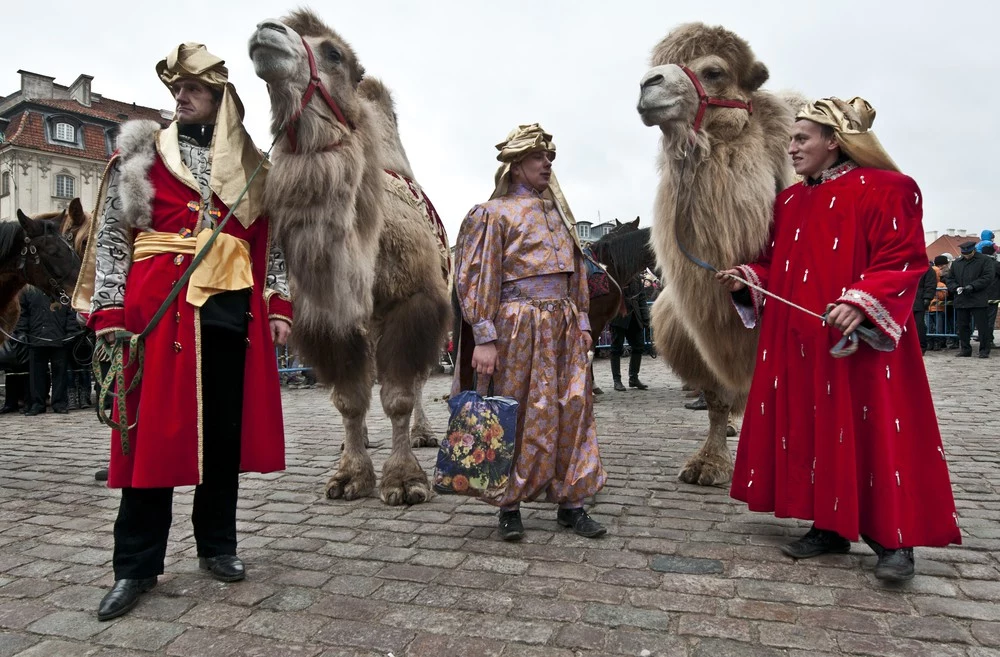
(208,405)
(522,286)
(851,443)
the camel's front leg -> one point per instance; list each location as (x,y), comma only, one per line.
(355,475)
(713,464)
(421,433)
(403,480)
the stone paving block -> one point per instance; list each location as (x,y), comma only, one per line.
(285,627)
(214,614)
(18,614)
(686,565)
(505,629)
(52,647)
(129,632)
(68,624)
(865,644)
(13,643)
(436,645)
(714,626)
(366,635)
(788,635)
(729,648)
(987,634)
(616,616)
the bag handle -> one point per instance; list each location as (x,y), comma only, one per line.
(475,384)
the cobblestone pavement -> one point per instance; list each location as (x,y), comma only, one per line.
(683,571)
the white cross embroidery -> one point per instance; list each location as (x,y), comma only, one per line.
(797,234)
(862,180)
(835,240)
(887,374)
(764,356)
(775,383)
(786,265)
(897,425)
(898,482)
(894,226)
(916,198)
(832,201)
(805,276)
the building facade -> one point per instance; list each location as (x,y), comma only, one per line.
(55,142)
(587,231)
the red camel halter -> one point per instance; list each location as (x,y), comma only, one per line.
(314,83)
(704,100)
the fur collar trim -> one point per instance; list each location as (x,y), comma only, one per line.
(136,150)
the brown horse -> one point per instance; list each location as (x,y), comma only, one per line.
(625,252)
(35,251)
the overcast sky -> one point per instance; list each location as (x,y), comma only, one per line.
(465,73)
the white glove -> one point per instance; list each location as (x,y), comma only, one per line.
(959,290)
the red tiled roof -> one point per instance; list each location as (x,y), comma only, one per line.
(105,108)
(27,130)
(949,244)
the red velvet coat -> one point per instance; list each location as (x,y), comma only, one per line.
(851,443)
(166,445)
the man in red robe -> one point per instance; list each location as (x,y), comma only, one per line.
(208,404)
(851,443)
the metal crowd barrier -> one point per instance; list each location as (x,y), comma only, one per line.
(942,324)
(605,338)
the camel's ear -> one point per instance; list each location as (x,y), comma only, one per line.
(31,227)
(757,76)
(76,212)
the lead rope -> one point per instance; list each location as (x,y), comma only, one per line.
(115,352)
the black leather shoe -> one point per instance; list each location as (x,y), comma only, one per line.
(815,543)
(637,384)
(122,597)
(895,565)
(619,386)
(7,409)
(580,522)
(984,354)
(510,526)
(225,567)
(964,354)
(598,391)
(33,411)
(698,404)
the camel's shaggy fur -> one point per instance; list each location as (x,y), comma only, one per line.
(715,196)
(363,265)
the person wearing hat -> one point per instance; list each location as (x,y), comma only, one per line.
(521,283)
(938,308)
(843,436)
(992,294)
(208,403)
(969,280)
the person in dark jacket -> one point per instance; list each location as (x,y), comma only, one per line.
(968,282)
(630,326)
(992,292)
(47,326)
(926,290)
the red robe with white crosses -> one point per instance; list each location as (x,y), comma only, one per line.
(851,443)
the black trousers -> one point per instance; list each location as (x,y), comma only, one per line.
(39,359)
(633,333)
(964,316)
(144,514)
(991,320)
(918,317)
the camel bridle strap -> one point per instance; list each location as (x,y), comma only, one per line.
(704,100)
(432,213)
(315,84)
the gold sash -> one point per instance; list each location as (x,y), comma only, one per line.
(225,267)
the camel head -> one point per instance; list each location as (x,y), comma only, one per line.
(280,58)
(725,67)
(385,124)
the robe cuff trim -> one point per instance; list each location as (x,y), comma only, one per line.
(584,322)
(758,299)
(484,331)
(875,311)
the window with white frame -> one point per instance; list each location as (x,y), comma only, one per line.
(65,186)
(5,183)
(584,231)
(66,132)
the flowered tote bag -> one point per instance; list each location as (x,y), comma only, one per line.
(476,455)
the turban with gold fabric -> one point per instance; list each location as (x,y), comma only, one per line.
(521,142)
(234,156)
(851,122)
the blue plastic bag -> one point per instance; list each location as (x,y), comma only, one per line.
(476,455)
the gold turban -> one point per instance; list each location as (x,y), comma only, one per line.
(851,123)
(521,142)
(233,154)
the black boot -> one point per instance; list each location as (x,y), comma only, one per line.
(815,543)
(72,393)
(83,386)
(698,404)
(616,371)
(892,565)
(634,362)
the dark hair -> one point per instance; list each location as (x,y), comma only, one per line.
(827,131)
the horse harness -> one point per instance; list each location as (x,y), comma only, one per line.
(30,256)
(315,83)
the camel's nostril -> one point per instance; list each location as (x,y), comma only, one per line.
(272,25)
(654,80)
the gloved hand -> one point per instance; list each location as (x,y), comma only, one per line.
(959,290)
